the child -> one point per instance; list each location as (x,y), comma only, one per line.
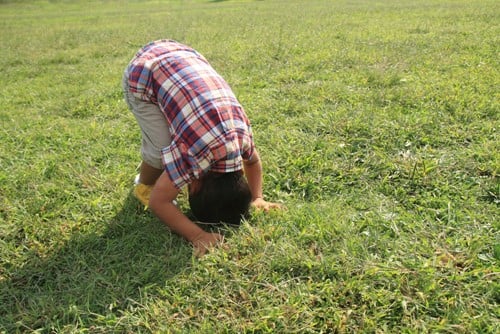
(195,133)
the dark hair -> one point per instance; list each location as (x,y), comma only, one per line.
(221,197)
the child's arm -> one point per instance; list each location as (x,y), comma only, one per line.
(253,173)
(160,202)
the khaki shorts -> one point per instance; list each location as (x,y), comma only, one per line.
(154,126)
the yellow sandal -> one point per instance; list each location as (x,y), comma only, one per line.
(142,193)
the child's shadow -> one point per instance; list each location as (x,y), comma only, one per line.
(93,274)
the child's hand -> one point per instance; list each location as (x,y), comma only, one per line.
(205,241)
(261,204)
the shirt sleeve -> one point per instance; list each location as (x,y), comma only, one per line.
(180,164)
(247,146)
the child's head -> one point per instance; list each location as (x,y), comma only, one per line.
(220,197)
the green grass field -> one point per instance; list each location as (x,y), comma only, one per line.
(377,122)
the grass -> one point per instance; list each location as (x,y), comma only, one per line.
(378,126)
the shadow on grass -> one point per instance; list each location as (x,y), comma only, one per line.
(93,276)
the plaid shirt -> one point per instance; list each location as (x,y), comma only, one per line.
(210,130)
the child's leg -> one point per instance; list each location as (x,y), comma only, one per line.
(149,174)
(155,136)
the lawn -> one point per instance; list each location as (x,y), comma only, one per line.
(377,122)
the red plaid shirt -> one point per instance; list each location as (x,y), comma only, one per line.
(210,130)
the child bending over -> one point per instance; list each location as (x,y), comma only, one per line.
(194,133)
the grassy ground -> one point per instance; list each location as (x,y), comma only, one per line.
(378,126)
